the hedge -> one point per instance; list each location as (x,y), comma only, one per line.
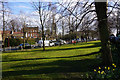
(17,41)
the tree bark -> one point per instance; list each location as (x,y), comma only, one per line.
(43,38)
(101,10)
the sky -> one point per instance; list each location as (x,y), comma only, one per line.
(25,5)
(18,7)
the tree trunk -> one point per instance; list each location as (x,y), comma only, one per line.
(101,10)
(42,24)
(24,37)
(43,38)
(62,28)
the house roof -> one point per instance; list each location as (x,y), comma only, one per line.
(17,32)
(5,32)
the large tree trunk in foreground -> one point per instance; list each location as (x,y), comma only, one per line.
(101,10)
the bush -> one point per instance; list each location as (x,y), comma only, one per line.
(30,41)
(13,42)
(17,41)
(69,36)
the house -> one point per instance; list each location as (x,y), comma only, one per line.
(17,34)
(31,32)
(6,34)
(9,34)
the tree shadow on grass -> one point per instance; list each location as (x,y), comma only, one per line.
(52,57)
(67,48)
(98,44)
(64,66)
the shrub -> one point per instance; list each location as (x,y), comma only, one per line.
(30,41)
(13,42)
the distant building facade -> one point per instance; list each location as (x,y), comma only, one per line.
(9,34)
(31,32)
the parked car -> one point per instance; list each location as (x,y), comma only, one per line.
(33,46)
(52,43)
(63,42)
(27,46)
(57,43)
(1,49)
(46,42)
(60,42)
(95,39)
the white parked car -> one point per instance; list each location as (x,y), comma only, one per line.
(52,43)
(95,39)
(63,42)
(46,42)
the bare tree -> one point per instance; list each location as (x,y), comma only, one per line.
(3,36)
(23,22)
(4,20)
(13,25)
(41,8)
(101,10)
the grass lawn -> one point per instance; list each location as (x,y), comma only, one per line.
(66,61)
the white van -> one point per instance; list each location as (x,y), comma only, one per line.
(46,42)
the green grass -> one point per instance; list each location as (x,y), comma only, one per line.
(66,61)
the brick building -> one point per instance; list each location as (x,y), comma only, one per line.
(31,32)
(12,34)
(17,34)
